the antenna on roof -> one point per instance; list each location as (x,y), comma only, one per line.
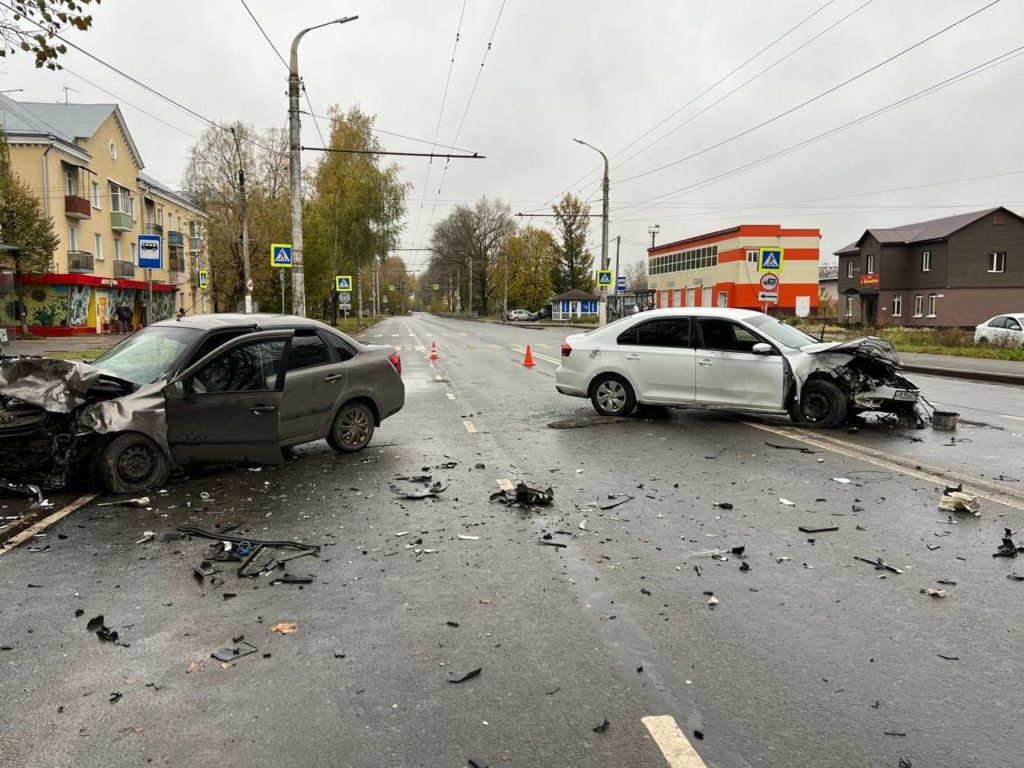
(67,88)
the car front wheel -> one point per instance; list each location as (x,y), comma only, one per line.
(822,404)
(131,463)
(352,428)
(612,396)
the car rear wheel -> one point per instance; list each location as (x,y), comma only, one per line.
(983,341)
(131,463)
(612,396)
(822,404)
(352,428)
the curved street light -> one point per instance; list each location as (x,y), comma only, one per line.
(602,315)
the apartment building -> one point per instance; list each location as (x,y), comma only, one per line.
(81,160)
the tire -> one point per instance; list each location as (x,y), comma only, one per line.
(131,463)
(983,342)
(822,404)
(352,428)
(612,396)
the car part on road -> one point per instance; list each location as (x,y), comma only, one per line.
(524,496)
(103,632)
(1008,548)
(944,419)
(612,396)
(823,529)
(426,487)
(234,652)
(455,677)
(932,592)
(799,448)
(141,501)
(879,564)
(953,499)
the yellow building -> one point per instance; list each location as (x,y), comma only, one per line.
(84,166)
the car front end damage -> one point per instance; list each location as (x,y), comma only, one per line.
(48,432)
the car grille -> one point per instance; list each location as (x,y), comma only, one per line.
(19,419)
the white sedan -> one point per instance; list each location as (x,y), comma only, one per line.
(734,359)
(1002,331)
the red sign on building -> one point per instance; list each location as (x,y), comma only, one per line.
(869,280)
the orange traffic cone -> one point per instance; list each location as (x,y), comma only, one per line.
(528,360)
(433,351)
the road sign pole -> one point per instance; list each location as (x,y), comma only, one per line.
(281,275)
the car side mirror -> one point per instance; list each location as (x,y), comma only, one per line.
(174,391)
(761,348)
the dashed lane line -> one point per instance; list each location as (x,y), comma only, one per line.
(677,749)
(469,427)
(46,522)
(451,395)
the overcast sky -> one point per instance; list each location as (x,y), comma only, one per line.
(607,72)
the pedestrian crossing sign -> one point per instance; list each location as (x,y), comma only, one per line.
(281,255)
(343,283)
(769,259)
(604,278)
(204,279)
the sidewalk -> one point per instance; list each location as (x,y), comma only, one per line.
(44,347)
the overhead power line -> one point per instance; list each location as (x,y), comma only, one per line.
(473,156)
(338,119)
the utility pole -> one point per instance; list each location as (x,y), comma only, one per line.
(359,289)
(243,202)
(295,168)
(602,310)
(504,300)
(618,242)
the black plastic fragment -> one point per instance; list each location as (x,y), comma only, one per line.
(822,529)
(234,652)
(723,504)
(524,496)
(1008,548)
(552,543)
(602,726)
(454,677)
(744,566)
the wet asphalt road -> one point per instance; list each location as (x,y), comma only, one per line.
(809,658)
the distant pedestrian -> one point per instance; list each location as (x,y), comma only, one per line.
(181,313)
(636,309)
(123,318)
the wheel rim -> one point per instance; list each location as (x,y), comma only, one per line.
(816,406)
(611,396)
(135,464)
(355,426)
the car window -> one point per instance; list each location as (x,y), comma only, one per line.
(665,332)
(1012,324)
(342,350)
(214,340)
(249,367)
(786,335)
(726,336)
(307,350)
(997,322)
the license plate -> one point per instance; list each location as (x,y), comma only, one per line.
(904,395)
(3,335)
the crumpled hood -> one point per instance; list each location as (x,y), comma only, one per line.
(868,346)
(58,386)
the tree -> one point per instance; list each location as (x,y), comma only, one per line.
(211,181)
(472,243)
(574,266)
(31,26)
(24,226)
(354,214)
(636,276)
(531,261)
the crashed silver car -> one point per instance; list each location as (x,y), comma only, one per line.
(207,388)
(735,359)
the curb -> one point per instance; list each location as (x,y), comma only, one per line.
(993,377)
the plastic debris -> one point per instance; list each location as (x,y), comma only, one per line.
(879,564)
(843,480)
(955,500)
(787,503)
(285,628)
(454,677)
(583,524)
(823,529)
(601,727)
(464,537)
(1008,548)
(932,592)
(234,652)
(103,632)
(722,505)
(141,501)
(799,448)
(712,601)
(1014,577)
(524,496)
(613,504)
(427,487)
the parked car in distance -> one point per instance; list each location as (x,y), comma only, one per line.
(1002,331)
(515,315)
(733,359)
(205,388)
(544,313)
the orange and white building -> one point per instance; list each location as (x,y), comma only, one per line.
(721,269)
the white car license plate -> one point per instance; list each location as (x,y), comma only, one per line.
(3,335)
(902,394)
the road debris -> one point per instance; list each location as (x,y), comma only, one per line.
(583,524)
(948,658)
(799,448)
(602,726)
(932,592)
(822,529)
(101,631)
(285,628)
(613,504)
(712,601)
(843,480)
(548,543)
(1008,548)
(1014,577)
(141,502)
(424,487)
(787,503)
(955,500)
(524,496)
(722,505)
(455,677)
(879,564)
(28,491)
(234,652)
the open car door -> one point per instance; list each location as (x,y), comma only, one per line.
(227,406)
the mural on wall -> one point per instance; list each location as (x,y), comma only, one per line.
(137,301)
(120,297)
(163,306)
(79,298)
(47,304)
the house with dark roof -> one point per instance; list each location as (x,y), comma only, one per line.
(954,271)
(574,305)
(82,163)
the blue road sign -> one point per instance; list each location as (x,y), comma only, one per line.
(769,259)
(604,277)
(343,283)
(620,283)
(151,251)
(280,254)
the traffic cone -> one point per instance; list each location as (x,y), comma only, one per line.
(528,360)
(433,351)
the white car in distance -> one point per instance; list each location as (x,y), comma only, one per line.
(1001,331)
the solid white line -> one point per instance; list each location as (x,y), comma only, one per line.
(676,748)
(451,395)
(538,355)
(469,427)
(1008,416)
(46,522)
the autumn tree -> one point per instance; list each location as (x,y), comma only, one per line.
(354,213)
(574,265)
(32,25)
(212,182)
(636,275)
(25,230)
(531,261)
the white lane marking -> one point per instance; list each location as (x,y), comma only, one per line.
(46,522)
(469,427)
(438,377)
(451,396)
(420,348)
(676,748)
(394,335)
(1008,416)
(505,484)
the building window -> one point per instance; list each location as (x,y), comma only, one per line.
(160,215)
(918,305)
(871,263)
(95,195)
(70,181)
(117,249)
(849,268)
(135,260)
(997,261)
(121,200)
(99,246)
(926,261)
(752,256)
(849,306)
(72,238)
(897,306)
(933,304)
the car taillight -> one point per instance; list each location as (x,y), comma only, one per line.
(566,350)
(396,360)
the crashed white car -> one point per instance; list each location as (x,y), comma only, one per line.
(734,359)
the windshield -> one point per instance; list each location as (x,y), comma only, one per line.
(144,357)
(786,335)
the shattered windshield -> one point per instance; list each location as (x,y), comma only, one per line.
(784,334)
(149,354)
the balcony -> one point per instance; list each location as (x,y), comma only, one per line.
(124,269)
(154,229)
(195,245)
(76,207)
(121,222)
(79,261)
(175,238)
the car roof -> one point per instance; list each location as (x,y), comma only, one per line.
(723,312)
(229,319)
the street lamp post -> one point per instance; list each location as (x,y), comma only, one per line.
(602,307)
(654,229)
(295,167)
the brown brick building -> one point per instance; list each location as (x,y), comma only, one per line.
(955,271)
